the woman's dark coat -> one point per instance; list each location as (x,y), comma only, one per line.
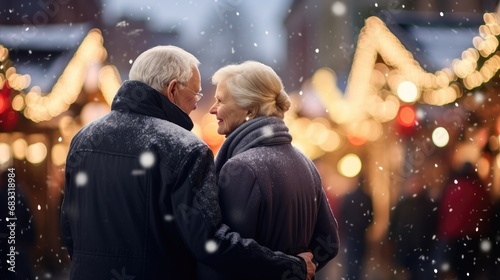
(271,192)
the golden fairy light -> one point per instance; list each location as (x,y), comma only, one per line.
(36,153)
(44,106)
(350,165)
(5,154)
(400,79)
(19,148)
(18,103)
(109,82)
(17,81)
(59,153)
(376,39)
(440,137)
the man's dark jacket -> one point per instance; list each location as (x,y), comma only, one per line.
(140,200)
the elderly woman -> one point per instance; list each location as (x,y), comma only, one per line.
(268,190)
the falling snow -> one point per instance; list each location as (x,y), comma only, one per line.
(81,179)
(147,159)
(168,218)
(211,246)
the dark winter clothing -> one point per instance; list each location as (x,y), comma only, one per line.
(141,199)
(412,230)
(356,214)
(271,192)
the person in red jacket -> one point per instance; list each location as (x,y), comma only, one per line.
(464,217)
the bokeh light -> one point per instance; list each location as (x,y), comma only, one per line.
(5,154)
(19,148)
(58,154)
(350,165)
(440,137)
(407,92)
(37,153)
(18,103)
(339,8)
(407,116)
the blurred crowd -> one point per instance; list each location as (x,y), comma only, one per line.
(444,225)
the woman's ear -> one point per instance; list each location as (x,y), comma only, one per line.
(252,112)
(171,90)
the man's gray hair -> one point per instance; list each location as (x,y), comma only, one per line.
(158,66)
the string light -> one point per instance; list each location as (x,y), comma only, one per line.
(45,106)
(401,75)
(359,112)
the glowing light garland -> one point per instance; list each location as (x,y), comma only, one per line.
(377,90)
(39,106)
(373,96)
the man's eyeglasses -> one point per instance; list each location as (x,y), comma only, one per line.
(198,95)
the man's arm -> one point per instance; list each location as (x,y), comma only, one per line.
(196,210)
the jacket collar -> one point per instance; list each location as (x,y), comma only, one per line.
(261,131)
(137,97)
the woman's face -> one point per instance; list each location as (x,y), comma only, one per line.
(229,115)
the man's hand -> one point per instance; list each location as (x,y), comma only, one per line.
(311,267)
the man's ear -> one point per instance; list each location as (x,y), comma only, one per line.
(170,90)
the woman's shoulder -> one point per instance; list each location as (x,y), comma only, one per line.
(253,155)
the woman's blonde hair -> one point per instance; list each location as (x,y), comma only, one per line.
(255,85)
(158,66)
